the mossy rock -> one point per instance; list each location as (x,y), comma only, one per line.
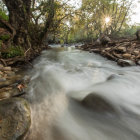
(15,118)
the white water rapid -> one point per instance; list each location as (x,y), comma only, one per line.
(62,77)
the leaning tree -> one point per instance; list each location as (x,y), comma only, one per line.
(20,20)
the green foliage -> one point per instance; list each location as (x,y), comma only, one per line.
(3,15)
(5,37)
(13,51)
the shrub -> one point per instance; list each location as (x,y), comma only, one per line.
(3,15)
(13,51)
(5,37)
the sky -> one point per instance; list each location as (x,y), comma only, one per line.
(134,18)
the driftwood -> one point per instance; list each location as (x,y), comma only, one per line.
(125,49)
(12,61)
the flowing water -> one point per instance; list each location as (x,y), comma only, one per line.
(62,78)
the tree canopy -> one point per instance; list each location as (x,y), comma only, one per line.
(31,23)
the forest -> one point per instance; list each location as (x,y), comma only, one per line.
(27,25)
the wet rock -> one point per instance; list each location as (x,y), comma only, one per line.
(125,63)
(111,77)
(97,104)
(14,118)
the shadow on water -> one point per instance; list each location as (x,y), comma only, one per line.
(62,78)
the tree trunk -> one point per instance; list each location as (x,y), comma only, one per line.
(49,21)
(19,18)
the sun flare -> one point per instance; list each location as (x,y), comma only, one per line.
(107,20)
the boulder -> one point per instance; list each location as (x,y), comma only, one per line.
(125,63)
(105,40)
(15,118)
(138,62)
(97,103)
(111,77)
(98,42)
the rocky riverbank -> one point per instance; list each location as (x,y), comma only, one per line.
(15,117)
(126,52)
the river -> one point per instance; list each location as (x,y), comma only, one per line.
(62,77)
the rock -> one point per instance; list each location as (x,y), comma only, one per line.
(136,52)
(138,34)
(15,118)
(125,63)
(138,62)
(98,42)
(111,77)
(9,92)
(10,81)
(7,68)
(10,73)
(1,66)
(127,55)
(121,49)
(1,73)
(105,40)
(6,83)
(2,79)
(97,104)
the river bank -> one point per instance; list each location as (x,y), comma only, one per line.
(14,108)
(126,52)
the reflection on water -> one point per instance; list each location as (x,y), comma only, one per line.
(64,76)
